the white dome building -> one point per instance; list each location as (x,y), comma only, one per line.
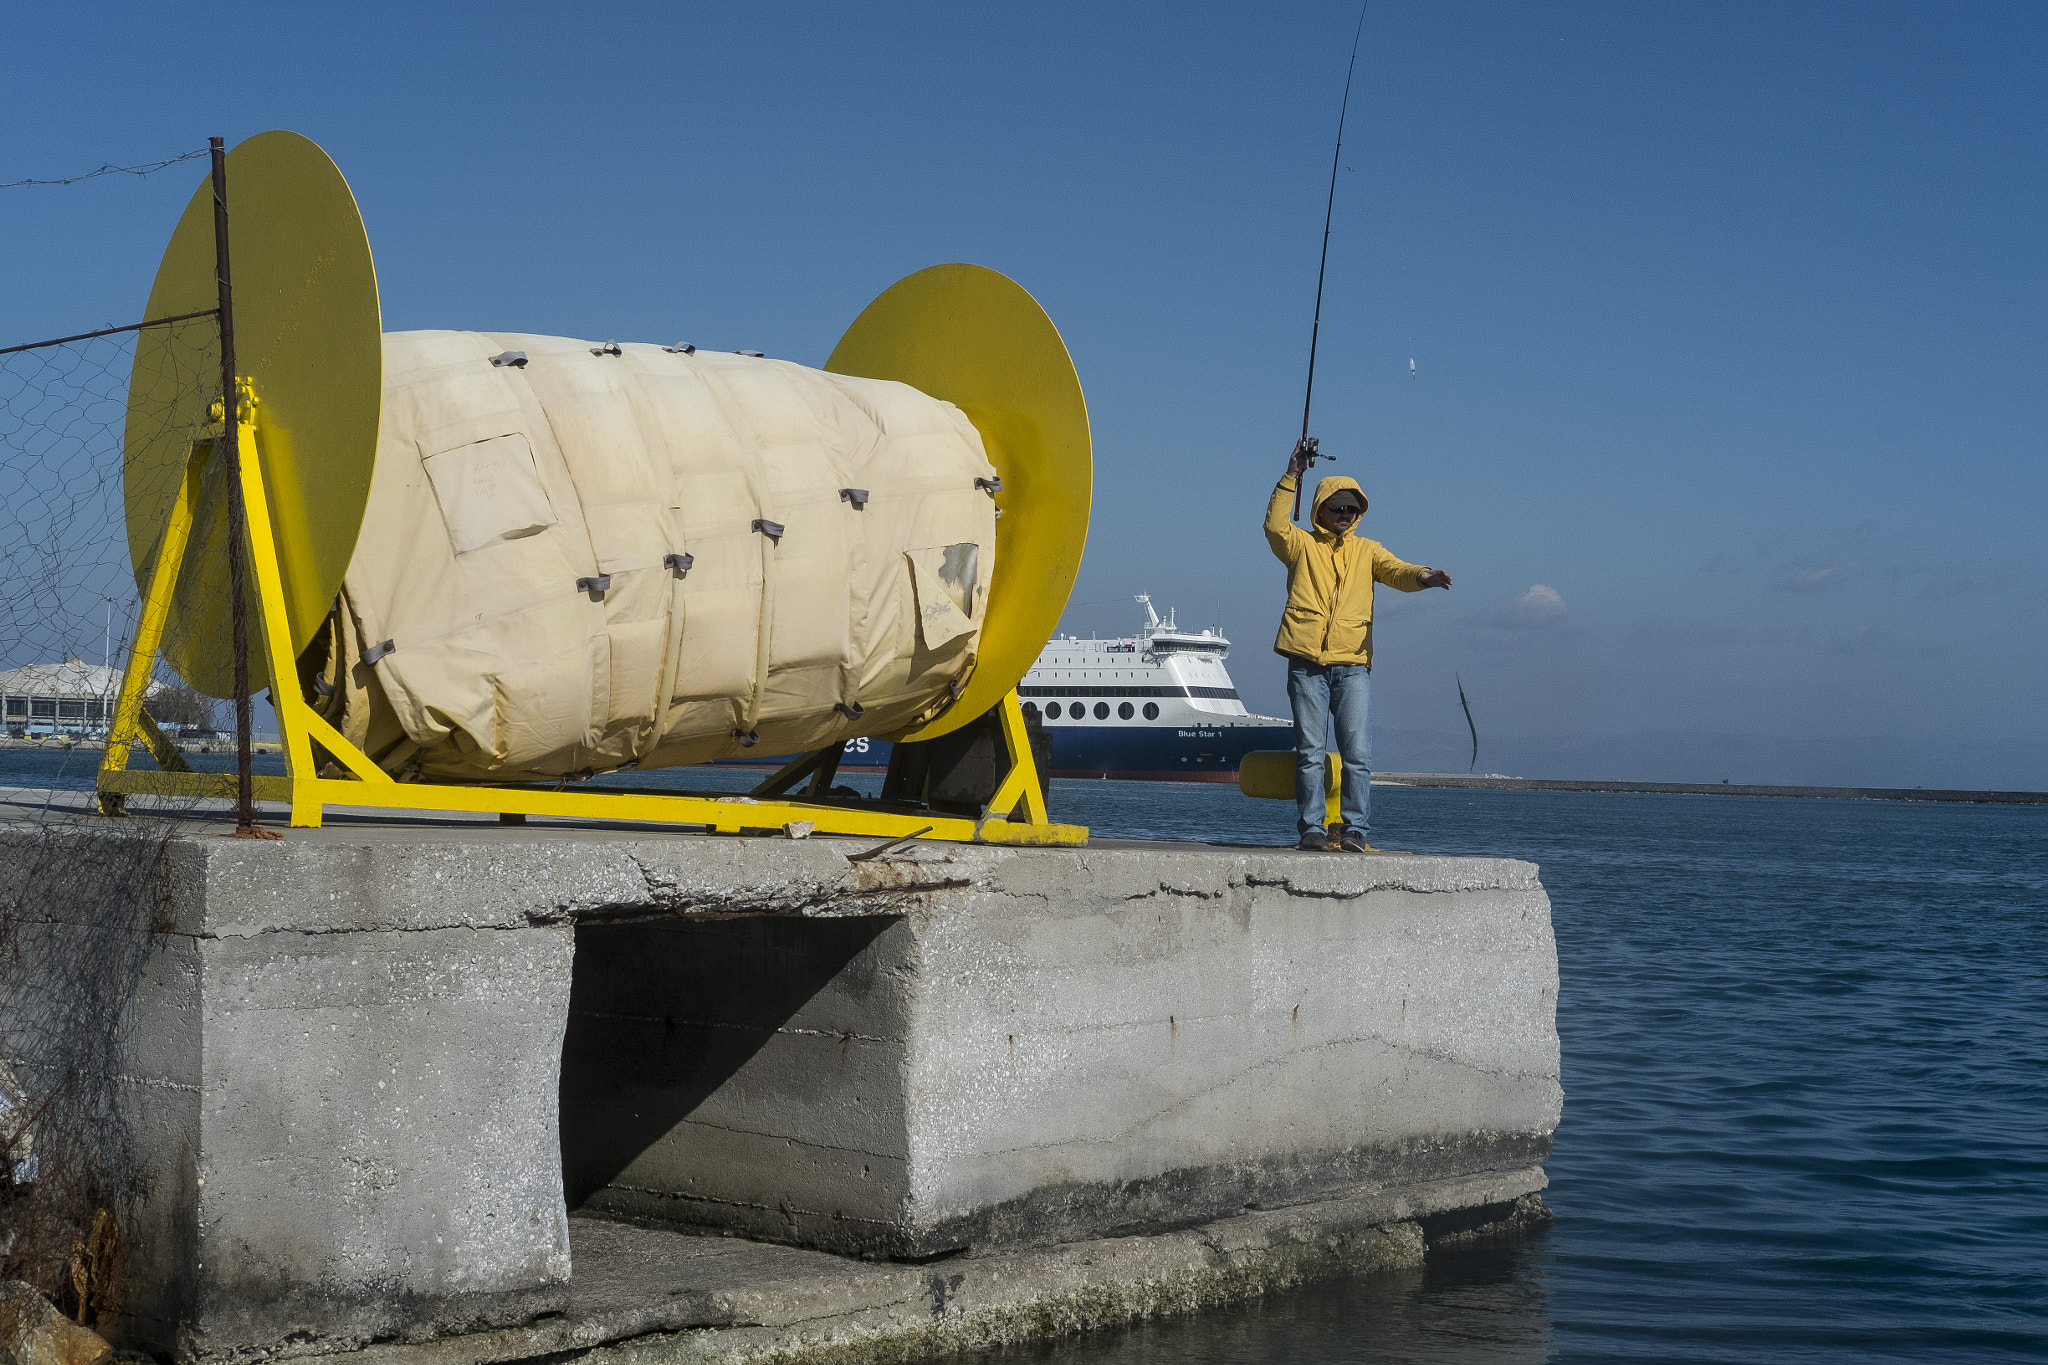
(72,696)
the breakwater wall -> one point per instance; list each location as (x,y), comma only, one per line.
(458,1089)
(1546,784)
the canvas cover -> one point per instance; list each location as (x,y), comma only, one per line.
(523,553)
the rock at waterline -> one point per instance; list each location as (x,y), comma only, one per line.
(34,1333)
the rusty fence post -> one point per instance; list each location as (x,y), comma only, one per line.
(238,526)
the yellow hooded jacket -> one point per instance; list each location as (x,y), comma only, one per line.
(1329,580)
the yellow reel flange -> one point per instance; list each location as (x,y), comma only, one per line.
(975,338)
(309,338)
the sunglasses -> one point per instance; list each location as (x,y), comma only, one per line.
(1341,511)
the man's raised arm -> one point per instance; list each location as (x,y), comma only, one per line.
(1281,532)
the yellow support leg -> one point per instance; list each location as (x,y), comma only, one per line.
(276,623)
(160,747)
(332,740)
(156,612)
(1021,783)
(998,824)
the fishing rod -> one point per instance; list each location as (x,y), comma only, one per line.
(1307,443)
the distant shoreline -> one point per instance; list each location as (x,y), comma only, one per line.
(265,744)
(1543,784)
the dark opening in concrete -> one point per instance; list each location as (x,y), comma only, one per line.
(662,1014)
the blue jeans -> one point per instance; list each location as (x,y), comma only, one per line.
(1330,702)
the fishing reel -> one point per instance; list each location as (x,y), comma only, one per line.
(1309,451)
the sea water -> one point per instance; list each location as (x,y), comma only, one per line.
(1805,1053)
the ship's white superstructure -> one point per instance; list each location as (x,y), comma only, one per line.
(1156,701)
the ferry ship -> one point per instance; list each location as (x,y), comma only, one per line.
(1153,706)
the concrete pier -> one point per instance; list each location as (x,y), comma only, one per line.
(357,1082)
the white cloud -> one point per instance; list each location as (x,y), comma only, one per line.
(1540,606)
(1818,576)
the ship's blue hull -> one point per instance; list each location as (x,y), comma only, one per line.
(1161,753)
(1144,753)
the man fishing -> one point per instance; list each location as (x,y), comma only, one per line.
(1326,638)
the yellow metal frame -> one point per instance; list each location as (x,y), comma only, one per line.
(1015,815)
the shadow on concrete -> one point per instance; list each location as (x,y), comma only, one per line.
(661,1015)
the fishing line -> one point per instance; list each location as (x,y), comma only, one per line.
(1329,208)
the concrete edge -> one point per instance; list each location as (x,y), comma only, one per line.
(320,881)
(915,1312)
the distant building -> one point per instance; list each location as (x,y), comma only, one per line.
(73,697)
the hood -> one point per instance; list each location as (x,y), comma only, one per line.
(1328,486)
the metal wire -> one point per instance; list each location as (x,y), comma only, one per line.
(109,331)
(147,169)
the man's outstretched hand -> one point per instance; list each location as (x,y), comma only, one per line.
(1436,578)
(1297,463)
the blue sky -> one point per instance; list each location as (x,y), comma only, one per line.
(1727,319)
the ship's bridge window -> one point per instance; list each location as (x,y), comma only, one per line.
(1124,711)
(1151,710)
(1102,710)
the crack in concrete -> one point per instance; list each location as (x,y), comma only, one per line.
(329,930)
(1192,893)
(1287,885)
(866,896)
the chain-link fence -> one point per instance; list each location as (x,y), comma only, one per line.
(76,515)
(75,899)
(96,433)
